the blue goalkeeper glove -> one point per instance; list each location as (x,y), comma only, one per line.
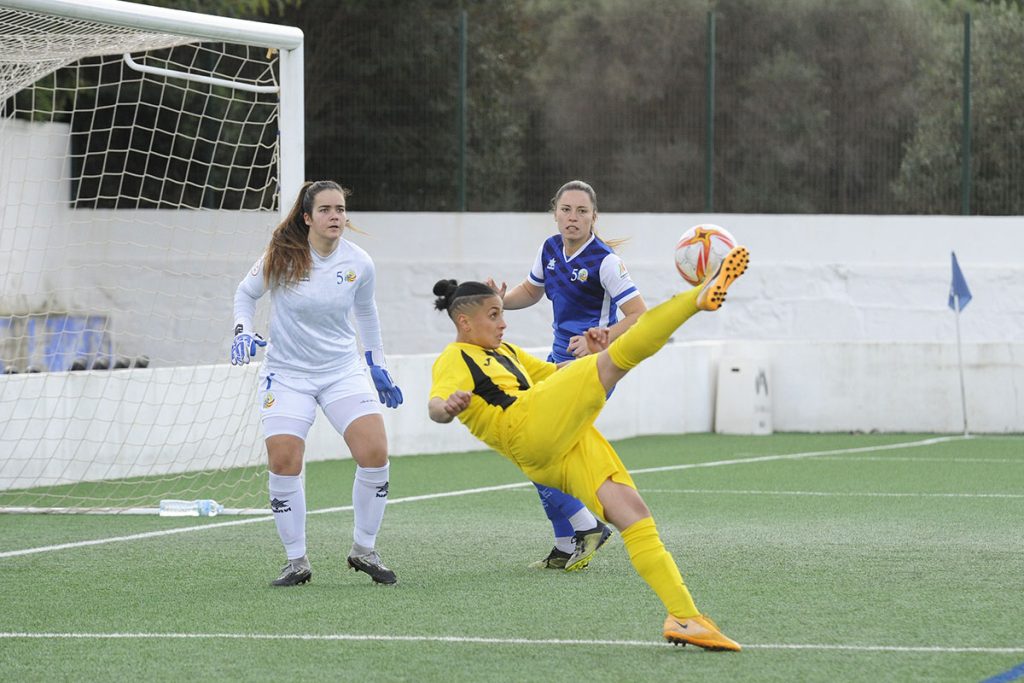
(390,394)
(244,346)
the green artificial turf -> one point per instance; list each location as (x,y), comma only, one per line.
(853,561)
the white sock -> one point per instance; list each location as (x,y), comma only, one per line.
(288,503)
(566,544)
(584,520)
(369,497)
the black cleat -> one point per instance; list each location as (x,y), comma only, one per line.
(297,571)
(587,543)
(371,564)
(556,559)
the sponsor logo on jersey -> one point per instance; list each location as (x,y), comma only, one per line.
(255,270)
(268,401)
(622,270)
(583,275)
(551,264)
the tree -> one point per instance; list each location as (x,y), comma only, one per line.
(617,100)
(929,180)
(816,102)
(382,95)
(813,101)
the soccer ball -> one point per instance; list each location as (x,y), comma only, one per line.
(700,250)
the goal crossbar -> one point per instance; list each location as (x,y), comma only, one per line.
(164,20)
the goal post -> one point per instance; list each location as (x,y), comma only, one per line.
(145,156)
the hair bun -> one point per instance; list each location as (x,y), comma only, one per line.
(445,288)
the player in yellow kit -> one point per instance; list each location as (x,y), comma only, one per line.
(543,420)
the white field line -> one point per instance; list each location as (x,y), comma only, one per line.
(969,461)
(799,456)
(830,494)
(471,640)
(248,520)
(484,489)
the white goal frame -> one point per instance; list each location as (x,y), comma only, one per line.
(36,402)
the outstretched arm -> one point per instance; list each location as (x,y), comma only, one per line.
(631,310)
(445,410)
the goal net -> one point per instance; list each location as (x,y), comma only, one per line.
(143,154)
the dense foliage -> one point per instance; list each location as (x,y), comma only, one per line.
(818,107)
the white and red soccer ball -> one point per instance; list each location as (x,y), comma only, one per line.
(700,250)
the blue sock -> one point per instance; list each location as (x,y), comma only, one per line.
(559,507)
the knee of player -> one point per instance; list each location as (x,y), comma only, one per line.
(633,505)
(370,457)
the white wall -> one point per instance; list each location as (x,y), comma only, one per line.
(64,427)
(849,314)
(822,278)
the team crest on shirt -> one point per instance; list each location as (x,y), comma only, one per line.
(268,401)
(551,264)
(582,275)
(348,276)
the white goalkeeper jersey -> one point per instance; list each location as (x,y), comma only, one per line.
(311,330)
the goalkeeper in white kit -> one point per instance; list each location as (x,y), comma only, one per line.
(315,279)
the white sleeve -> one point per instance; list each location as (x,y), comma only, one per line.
(616,281)
(249,291)
(366,318)
(536,276)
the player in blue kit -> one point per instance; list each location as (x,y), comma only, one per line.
(588,285)
(316,279)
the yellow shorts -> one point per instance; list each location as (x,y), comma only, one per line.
(549,433)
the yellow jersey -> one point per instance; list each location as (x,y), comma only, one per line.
(495,377)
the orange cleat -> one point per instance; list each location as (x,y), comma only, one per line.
(699,631)
(712,294)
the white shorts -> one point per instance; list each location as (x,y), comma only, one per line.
(288,404)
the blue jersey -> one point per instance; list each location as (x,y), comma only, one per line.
(585,289)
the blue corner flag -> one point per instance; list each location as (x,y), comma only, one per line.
(958,290)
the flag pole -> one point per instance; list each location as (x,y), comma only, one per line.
(959,296)
(960,362)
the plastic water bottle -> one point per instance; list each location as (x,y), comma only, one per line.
(190,508)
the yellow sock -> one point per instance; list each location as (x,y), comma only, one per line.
(655,565)
(652,330)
